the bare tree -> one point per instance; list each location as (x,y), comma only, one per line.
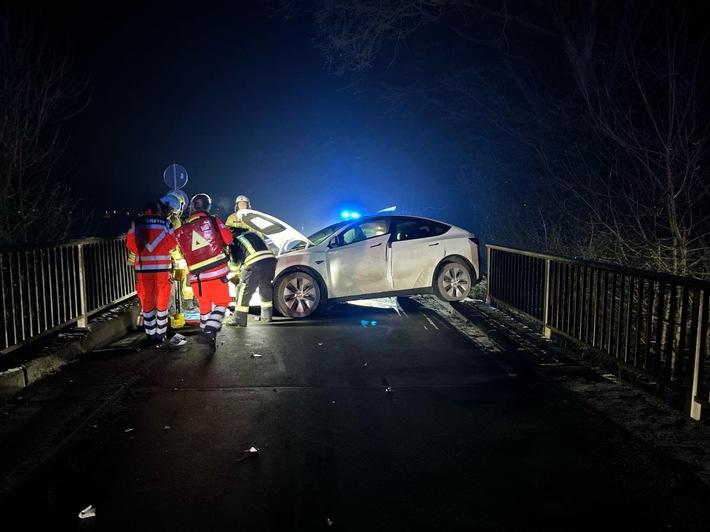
(36,204)
(643,193)
(596,108)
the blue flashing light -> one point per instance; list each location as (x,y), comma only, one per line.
(345,215)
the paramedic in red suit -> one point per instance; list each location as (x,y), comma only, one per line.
(151,238)
(203,240)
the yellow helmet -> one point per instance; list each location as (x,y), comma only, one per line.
(175,201)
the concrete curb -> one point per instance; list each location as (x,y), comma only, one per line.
(42,360)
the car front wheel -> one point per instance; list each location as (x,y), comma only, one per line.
(452,282)
(296,295)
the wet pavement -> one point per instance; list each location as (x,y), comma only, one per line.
(425,418)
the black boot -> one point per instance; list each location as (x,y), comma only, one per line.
(267,314)
(239,319)
(209,338)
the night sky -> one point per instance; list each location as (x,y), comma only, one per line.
(243,102)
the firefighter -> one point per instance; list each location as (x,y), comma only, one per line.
(234,222)
(203,240)
(256,265)
(151,240)
(240,203)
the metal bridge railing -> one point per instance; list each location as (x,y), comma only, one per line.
(650,323)
(47,288)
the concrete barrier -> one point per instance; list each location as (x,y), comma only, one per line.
(41,360)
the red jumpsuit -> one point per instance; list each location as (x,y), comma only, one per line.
(203,239)
(151,238)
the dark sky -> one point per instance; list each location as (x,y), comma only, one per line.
(243,102)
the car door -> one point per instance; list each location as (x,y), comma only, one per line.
(357,260)
(416,250)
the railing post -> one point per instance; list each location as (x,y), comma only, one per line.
(488,276)
(546,330)
(695,408)
(83,319)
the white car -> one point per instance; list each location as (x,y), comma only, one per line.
(375,256)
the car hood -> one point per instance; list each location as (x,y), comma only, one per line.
(280,233)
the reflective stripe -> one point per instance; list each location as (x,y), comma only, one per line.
(155,258)
(140,267)
(207,262)
(259,255)
(208,276)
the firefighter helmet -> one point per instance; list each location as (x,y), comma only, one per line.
(244,199)
(200,202)
(174,201)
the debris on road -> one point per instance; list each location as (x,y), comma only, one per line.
(89,511)
(249,452)
(178,340)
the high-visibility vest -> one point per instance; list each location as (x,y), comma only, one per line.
(151,239)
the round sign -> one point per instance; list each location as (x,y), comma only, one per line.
(175,176)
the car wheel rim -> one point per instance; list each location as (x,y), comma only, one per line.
(299,295)
(456,284)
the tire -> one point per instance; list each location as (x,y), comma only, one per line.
(297,295)
(452,281)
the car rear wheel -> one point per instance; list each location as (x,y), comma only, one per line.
(452,281)
(296,295)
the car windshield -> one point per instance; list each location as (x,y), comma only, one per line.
(322,234)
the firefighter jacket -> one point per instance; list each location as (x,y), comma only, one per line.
(202,239)
(249,248)
(151,240)
(234,221)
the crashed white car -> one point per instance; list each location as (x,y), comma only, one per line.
(380,255)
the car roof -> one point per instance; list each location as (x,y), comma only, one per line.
(282,234)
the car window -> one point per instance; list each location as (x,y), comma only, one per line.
(438,228)
(411,228)
(321,235)
(362,231)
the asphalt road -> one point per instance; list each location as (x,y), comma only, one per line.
(362,419)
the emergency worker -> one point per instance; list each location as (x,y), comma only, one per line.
(173,205)
(256,268)
(234,222)
(151,239)
(203,240)
(240,203)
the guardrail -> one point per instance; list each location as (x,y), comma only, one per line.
(47,288)
(650,323)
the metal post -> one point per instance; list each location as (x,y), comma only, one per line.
(83,319)
(488,276)
(695,408)
(546,330)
